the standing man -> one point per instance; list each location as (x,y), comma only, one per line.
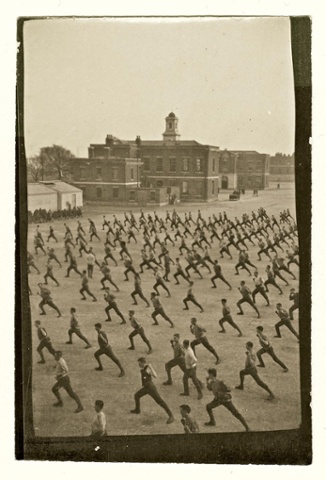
(105,349)
(99,422)
(158,310)
(271,280)
(200,338)
(51,234)
(148,388)
(90,260)
(138,330)
(284,320)
(85,288)
(246,298)
(45,341)
(63,381)
(266,347)
(191,298)
(222,396)
(75,328)
(177,360)
(250,369)
(190,371)
(227,318)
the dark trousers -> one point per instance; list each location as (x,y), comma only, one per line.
(272,281)
(287,323)
(129,269)
(191,373)
(230,321)
(243,266)
(260,289)
(253,372)
(247,300)
(160,311)
(79,334)
(229,406)
(141,333)
(109,279)
(64,382)
(93,234)
(73,267)
(178,361)
(109,353)
(87,290)
(52,236)
(180,272)
(90,269)
(270,352)
(48,275)
(148,265)
(159,283)
(221,278)
(139,292)
(206,344)
(50,303)
(191,298)
(45,343)
(109,255)
(151,390)
(292,309)
(113,306)
(193,266)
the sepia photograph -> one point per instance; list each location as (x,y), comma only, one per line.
(163,225)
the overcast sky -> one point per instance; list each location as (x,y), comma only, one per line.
(229,81)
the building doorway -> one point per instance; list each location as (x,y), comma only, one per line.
(225,182)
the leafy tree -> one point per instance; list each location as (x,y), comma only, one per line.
(57,158)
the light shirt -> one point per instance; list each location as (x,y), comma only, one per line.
(90,259)
(61,369)
(190,359)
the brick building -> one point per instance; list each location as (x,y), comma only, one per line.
(243,170)
(282,168)
(186,164)
(111,173)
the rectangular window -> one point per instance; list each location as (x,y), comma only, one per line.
(159,164)
(199,189)
(173,164)
(115,172)
(159,183)
(115,193)
(82,173)
(132,195)
(213,187)
(146,164)
(132,174)
(98,192)
(199,165)
(98,173)
(185,187)
(185,164)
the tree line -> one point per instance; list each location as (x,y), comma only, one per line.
(52,163)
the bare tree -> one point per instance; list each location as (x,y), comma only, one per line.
(35,168)
(57,159)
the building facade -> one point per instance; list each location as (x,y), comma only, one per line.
(53,195)
(282,168)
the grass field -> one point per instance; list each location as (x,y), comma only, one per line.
(117,393)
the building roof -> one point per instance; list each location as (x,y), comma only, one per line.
(61,187)
(171,115)
(244,151)
(39,189)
